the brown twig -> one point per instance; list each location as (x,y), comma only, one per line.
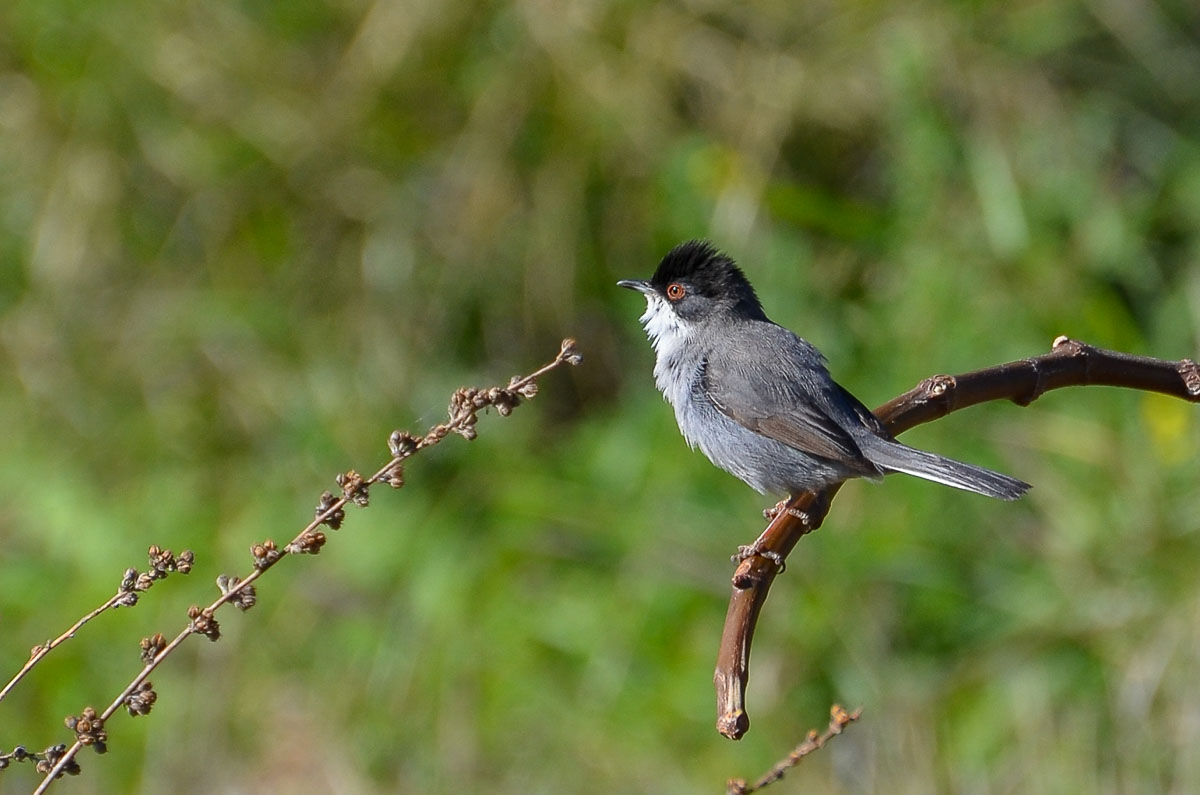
(1069,363)
(138,695)
(839,719)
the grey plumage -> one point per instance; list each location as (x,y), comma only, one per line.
(758,400)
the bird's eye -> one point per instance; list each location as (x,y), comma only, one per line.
(675,291)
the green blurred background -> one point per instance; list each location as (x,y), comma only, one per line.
(241,242)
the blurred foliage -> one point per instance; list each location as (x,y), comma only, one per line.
(240,242)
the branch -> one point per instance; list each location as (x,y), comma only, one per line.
(1069,363)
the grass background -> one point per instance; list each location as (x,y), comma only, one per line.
(241,242)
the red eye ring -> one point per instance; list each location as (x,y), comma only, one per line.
(675,291)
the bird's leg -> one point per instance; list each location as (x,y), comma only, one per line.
(782,507)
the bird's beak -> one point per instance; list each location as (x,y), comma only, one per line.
(641,285)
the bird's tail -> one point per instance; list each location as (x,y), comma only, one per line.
(968,477)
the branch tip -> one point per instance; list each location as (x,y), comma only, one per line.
(734,725)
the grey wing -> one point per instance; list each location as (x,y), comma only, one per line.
(788,395)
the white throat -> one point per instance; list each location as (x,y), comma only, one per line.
(668,334)
(664,328)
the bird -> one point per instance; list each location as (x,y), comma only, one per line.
(758,400)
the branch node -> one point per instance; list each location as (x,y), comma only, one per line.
(938,386)
(938,390)
(1036,388)
(747,575)
(1065,346)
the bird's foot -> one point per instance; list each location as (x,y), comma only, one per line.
(809,520)
(759,548)
(782,507)
(756,549)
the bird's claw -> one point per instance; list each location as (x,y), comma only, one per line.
(782,507)
(747,551)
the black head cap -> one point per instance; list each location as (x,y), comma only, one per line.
(705,272)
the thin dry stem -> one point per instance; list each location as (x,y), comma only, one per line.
(839,719)
(464,407)
(38,652)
